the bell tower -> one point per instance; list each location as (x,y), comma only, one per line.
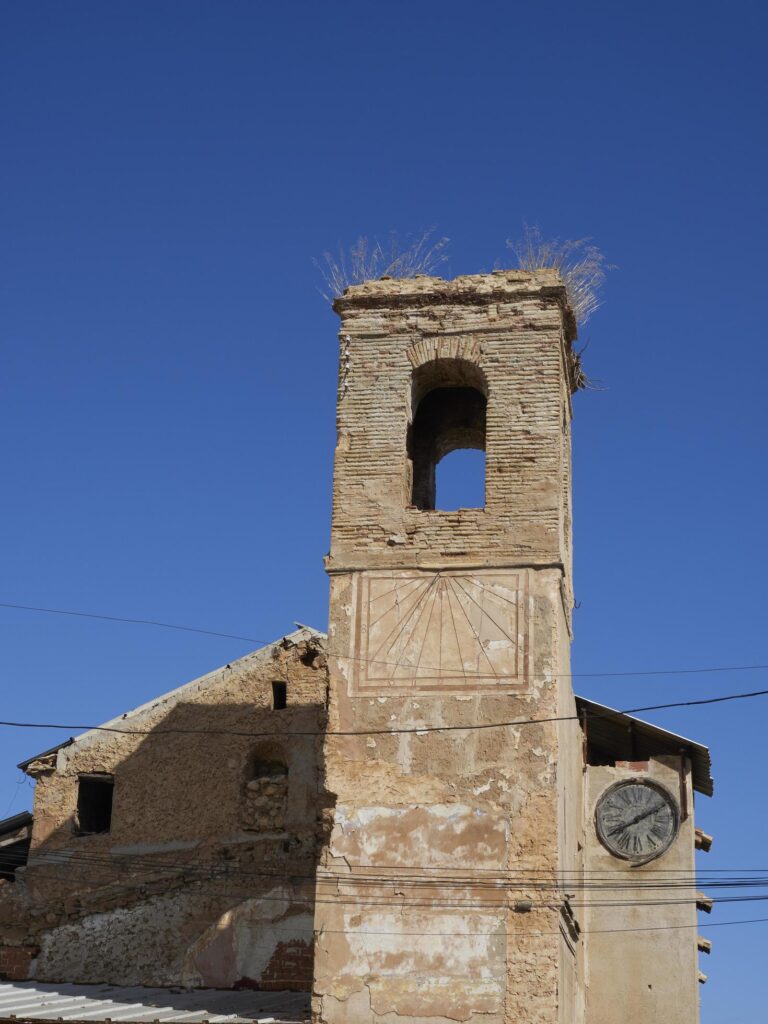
(444,624)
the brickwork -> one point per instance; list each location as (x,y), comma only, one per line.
(448,619)
(512,326)
(290,968)
(15,962)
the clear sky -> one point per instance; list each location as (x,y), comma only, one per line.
(168,172)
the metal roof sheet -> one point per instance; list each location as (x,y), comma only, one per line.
(23,765)
(15,823)
(35,1001)
(630,738)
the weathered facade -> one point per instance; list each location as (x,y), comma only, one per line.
(449,619)
(452,885)
(413,816)
(199,871)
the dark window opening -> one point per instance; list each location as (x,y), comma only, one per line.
(12,857)
(279,696)
(15,838)
(94,804)
(600,757)
(449,413)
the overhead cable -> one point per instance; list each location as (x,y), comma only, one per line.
(348,657)
(414,730)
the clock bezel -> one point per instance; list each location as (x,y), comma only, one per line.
(636,861)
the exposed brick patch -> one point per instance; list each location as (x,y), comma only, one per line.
(15,961)
(289,969)
(633,766)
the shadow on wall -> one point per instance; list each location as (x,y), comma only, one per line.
(205,877)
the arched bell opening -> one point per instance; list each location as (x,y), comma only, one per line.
(449,402)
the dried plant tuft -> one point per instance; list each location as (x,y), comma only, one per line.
(368,261)
(581,265)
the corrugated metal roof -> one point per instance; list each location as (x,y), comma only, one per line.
(35,1001)
(630,738)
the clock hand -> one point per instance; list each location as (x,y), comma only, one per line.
(636,819)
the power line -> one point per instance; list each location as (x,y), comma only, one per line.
(713,669)
(393,901)
(134,622)
(652,878)
(401,906)
(187,877)
(587,931)
(510,880)
(554,880)
(416,729)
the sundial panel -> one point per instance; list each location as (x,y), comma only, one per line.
(451,631)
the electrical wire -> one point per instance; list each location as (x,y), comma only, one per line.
(523,881)
(379,875)
(379,661)
(405,730)
(223,872)
(389,901)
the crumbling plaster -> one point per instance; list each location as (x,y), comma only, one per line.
(457,807)
(185,860)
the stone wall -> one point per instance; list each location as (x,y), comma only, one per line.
(206,876)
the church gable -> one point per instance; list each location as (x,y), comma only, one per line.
(179,825)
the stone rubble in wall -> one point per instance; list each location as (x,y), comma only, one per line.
(264,803)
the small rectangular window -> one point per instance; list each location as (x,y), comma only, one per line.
(279,696)
(94,804)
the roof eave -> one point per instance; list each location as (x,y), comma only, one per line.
(701,761)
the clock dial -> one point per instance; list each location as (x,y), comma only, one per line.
(636,820)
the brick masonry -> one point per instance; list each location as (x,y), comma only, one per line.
(15,961)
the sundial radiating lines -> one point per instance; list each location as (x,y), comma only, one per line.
(447,629)
(440,589)
(496,624)
(426,633)
(456,633)
(419,599)
(488,590)
(407,621)
(480,645)
(394,590)
(478,635)
(401,663)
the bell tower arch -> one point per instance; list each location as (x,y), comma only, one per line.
(449,398)
(442,625)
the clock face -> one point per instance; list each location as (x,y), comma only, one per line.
(636,820)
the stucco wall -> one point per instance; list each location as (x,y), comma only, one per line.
(641,946)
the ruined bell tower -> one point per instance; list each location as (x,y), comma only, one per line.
(438,895)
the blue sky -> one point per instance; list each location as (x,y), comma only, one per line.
(169,171)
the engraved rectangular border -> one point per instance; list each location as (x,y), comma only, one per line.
(360,685)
